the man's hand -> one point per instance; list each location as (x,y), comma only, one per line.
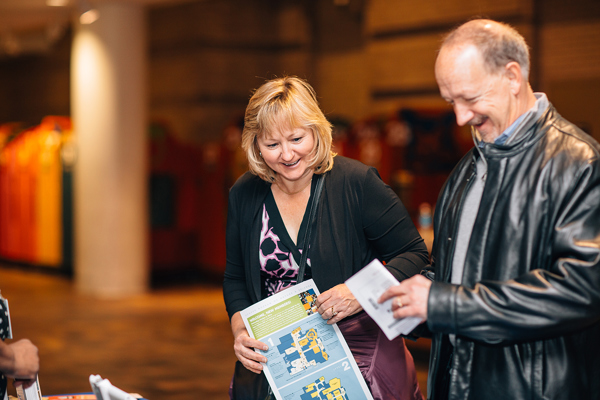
(409,297)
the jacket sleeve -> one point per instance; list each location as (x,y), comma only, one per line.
(390,229)
(235,290)
(552,300)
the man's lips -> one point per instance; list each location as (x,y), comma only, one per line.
(477,122)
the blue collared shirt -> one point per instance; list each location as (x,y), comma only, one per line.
(512,128)
(540,105)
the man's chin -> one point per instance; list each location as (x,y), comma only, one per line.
(488,137)
(485,135)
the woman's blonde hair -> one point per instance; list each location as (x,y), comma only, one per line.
(286,103)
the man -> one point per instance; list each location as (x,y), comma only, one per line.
(514,307)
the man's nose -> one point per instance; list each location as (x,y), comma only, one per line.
(463,114)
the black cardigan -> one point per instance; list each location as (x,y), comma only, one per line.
(359,218)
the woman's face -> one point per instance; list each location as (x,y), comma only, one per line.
(288,152)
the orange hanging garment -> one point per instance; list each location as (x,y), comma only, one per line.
(48,202)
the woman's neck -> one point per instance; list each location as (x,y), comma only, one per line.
(291,188)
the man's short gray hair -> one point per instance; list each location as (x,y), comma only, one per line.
(499,43)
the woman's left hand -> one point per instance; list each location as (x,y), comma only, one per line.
(337,303)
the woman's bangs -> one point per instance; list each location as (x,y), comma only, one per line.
(276,118)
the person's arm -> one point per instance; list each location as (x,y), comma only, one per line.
(235,290)
(549,301)
(390,229)
(337,303)
(20,360)
(244,345)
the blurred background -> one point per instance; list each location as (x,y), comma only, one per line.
(120,127)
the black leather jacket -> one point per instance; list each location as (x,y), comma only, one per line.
(527,316)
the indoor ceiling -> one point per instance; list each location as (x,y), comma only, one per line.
(32,26)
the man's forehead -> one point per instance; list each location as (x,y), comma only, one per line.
(460,64)
(466,53)
(461,76)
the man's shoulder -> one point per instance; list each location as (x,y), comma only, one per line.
(577,135)
(568,137)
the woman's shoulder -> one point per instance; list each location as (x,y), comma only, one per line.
(248,184)
(247,178)
(347,168)
(345,165)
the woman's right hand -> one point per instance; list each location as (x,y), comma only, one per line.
(244,346)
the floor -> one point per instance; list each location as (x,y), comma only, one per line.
(172,343)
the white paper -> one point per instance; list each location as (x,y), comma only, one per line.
(33,392)
(307,358)
(367,285)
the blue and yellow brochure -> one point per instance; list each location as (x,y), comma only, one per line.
(307,358)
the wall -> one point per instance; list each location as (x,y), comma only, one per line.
(570,55)
(34,86)
(367,59)
(394,66)
(364,58)
(206,57)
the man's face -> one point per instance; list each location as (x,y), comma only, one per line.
(480,98)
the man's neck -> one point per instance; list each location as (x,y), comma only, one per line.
(530,100)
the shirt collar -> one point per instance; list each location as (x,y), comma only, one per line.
(541,104)
(533,114)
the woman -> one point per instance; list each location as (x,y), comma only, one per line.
(288,142)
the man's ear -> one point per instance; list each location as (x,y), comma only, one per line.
(514,74)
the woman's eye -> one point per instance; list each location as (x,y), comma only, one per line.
(271,146)
(296,140)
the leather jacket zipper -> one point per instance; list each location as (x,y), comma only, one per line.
(446,277)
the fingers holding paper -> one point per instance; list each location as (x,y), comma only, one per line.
(337,303)
(409,298)
(24,361)
(244,346)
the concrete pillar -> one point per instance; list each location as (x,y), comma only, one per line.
(109,110)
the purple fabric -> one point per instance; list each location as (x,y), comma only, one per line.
(387,366)
(278,267)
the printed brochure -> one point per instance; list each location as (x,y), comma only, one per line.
(307,358)
(367,285)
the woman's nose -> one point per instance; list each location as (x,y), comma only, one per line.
(286,153)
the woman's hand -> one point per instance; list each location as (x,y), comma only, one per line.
(244,346)
(337,303)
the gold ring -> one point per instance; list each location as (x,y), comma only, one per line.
(399,302)
(333,313)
